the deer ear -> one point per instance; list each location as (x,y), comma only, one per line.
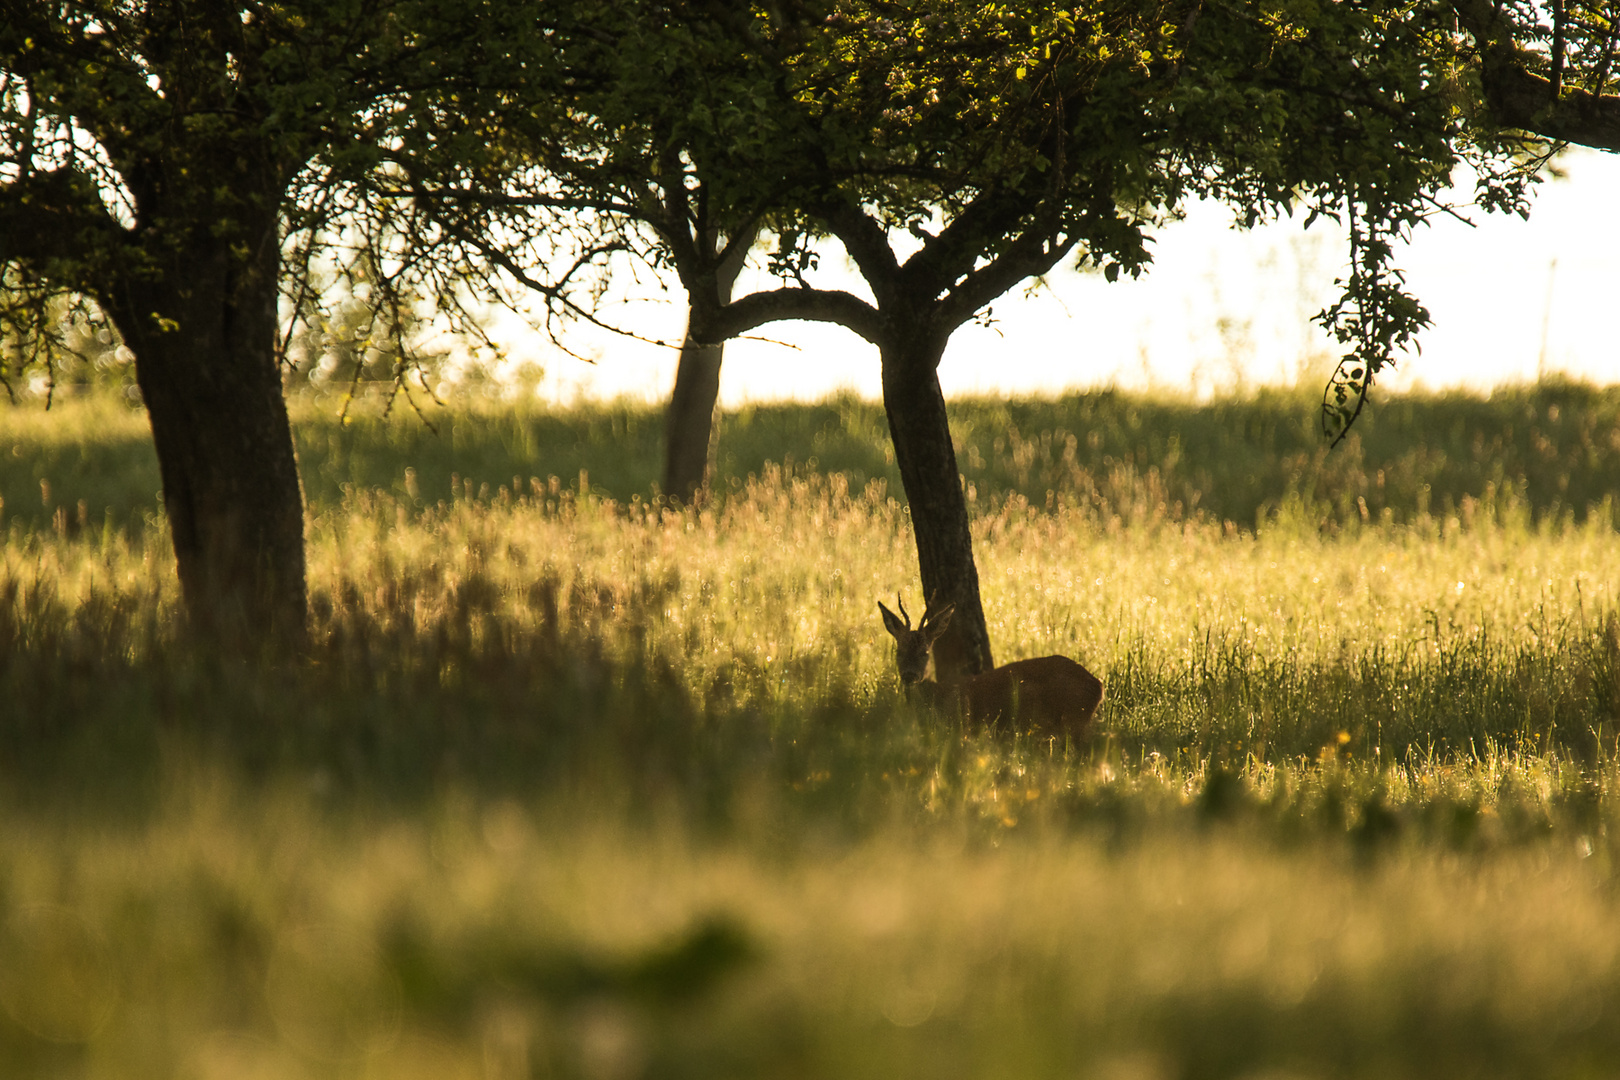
(892,623)
(938,621)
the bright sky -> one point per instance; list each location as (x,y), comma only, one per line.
(1509,298)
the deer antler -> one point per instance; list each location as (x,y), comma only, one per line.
(902,602)
(935,619)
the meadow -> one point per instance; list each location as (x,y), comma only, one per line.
(575,784)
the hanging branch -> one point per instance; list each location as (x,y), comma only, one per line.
(1374,314)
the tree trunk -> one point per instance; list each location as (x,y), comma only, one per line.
(921,433)
(203,332)
(690,423)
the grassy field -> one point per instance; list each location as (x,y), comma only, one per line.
(575,785)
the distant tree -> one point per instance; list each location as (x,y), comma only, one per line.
(166,158)
(689,420)
(548,197)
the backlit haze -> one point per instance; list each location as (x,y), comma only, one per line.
(1510,299)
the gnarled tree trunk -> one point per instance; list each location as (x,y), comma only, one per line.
(921,433)
(203,333)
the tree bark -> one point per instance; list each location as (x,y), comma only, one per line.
(203,333)
(921,433)
(691,421)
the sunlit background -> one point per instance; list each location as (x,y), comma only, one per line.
(1511,300)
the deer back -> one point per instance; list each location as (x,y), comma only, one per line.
(1051,694)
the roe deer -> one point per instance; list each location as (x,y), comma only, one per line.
(1052,694)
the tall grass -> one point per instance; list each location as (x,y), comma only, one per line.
(578,785)
(1547,451)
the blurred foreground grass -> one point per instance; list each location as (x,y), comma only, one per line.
(581,787)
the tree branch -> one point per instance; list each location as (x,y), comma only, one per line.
(1029,256)
(98,80)
(56,222)
(812,305)
(1519,98)
(868,244)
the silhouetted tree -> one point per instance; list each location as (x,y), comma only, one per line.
(164,158)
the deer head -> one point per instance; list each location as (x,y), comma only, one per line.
(912,647)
